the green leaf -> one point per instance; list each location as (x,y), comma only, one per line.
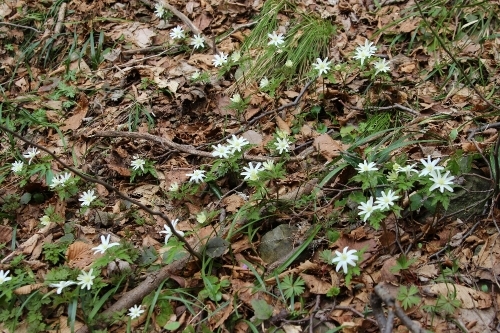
(172,326)
(261,309)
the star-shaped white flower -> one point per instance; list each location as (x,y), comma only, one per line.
(381,65)
(86,279)
(60,180)
(177,33)
(347,257)
(135,311)
(252,172)
(366,167)
(219,59)
(236,56)
(275,39)
(174,187)
(197,176)
(236,98)
(87,197)
(268,165)
(366,209)
(364,52)
(221,151)
(17,166)
(386,200)
(104,245)
(429,166)
(138,163)
(159,10)
(237,143)
(322,66)
(264,82)
(282,145)
(441,181)
(195,75)
(30,153)
(4,276)
(197,41)
(45,220)
(407,169)
(168,233)
(61,285)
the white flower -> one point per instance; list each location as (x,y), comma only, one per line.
(268,165)
(159,10)
(104,245)
(251,172)
(322,66)
(87,197)
(429,166)
(135,311)
(60,180)
(237,143)
(61,285)
(441,181)
(4,277)
(282,144)
(168,233)
(381,65)
(201,217)
(288,63)
(275,39)
(263,83)
(86,279)
(219,59)
(30,153)
(221,151)
(366,167)
(343,259)
(366,209)
(138,163)
(197,176)
(236,56)
(408,169)
(386,200)
(174,187)
(177,33)
(236,98)
(45,220)
(197,41)
(17,166)
(365,52)
(195,75)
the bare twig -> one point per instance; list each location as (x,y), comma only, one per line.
(382,108)
(21,26)
(60,18)
(483,128)
(188,148)
(109,188)
(348,308)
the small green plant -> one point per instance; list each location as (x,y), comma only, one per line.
(141,167)
(408,296)
(402,264)
(292,288)
(213,288)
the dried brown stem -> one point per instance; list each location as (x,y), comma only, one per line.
(382,108)
(20,26)
(60,18)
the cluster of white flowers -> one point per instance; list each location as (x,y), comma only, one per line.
(387,199)
(234,144)
(344,258)
(85,280)
(60,180)
(168,232)
(364,52)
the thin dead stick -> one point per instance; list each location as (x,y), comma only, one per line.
(109,188)
(382,108)
(21,26)
(384,296)
(190,149)
(60,18)
(348,308)
(483,128)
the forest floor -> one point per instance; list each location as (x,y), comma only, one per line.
(243,166)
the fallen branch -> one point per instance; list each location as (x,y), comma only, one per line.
(111,189)
(21,26)
(385,324)
(190,149)
(60,18)
(381,108)
(483,128)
